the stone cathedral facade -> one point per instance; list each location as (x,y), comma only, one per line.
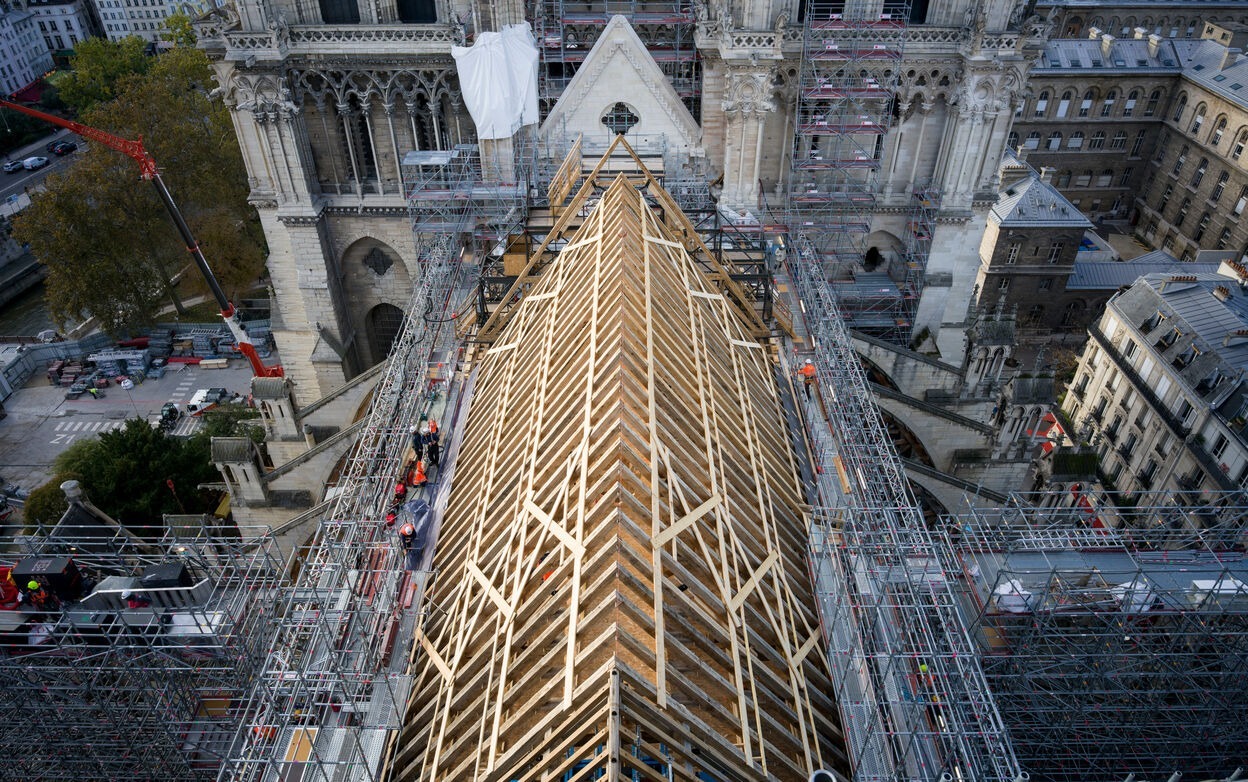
(328,96)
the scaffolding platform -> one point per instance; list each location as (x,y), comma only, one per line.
(1128,639)
(98,688)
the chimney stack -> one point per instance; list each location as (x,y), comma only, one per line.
(1154,45)
(1107,45)
(1229,57)
(1046,174)
(1140,33)
(1094,33)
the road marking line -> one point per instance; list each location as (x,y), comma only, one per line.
(60,426)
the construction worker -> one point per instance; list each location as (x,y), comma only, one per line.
(419,478)
(407,536)
(94,392)
(808,375)
(41,598)
(391,517)
(400,492)
(418,442)
(434,450)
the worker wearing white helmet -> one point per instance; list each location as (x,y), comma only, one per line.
(808,375)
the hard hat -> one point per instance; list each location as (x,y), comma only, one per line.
(808,361)
(407,529)
(424,429)
(33,584)
(126,594)
(412,429)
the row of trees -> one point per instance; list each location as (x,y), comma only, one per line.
(111,250)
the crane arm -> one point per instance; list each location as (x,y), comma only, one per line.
(147,167)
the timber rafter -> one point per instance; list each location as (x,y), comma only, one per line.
(621,580)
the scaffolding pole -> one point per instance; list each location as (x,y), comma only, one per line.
(845,103)
(1128,640)
(335,681)
(95,689)
(914,701)
(567,31)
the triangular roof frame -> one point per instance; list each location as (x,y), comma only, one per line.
(619,35)
(672,212)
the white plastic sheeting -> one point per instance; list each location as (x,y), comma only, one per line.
(498,77)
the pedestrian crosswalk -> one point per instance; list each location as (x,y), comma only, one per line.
(186,381)
(87,427)
(186,426)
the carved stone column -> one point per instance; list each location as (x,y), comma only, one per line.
(746,108)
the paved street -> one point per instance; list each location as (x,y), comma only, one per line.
(42,422)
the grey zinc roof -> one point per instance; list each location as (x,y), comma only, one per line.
(1124,53)
(268,388)
(1190,305)
(231,450)
(1112,275)
(1204,68)
(1032,203)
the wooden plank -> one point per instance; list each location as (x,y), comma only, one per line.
(503,606)
(749,586)
(664,537)
(543,518)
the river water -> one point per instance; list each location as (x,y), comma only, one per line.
(27,315)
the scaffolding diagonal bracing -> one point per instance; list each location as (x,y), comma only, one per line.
(95,688)
(1128,640)
(845,102)
(914,702)
(335,681)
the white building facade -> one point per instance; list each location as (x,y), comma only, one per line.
(24,56)
(63,23)
(1160,388)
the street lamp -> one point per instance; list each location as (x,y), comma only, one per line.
(128,385)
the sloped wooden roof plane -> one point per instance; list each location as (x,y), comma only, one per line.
(621,583)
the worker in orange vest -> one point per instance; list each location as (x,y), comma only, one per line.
(418,474)
(808,375)
(407,536)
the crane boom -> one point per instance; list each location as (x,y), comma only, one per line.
(149,171)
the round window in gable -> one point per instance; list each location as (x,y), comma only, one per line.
(620,118)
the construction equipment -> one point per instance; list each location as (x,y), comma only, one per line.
(150,172)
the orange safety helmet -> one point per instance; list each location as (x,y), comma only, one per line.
(407,529)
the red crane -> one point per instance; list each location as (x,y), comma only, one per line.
(149,171)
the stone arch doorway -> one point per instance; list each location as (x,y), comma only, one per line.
(383,324)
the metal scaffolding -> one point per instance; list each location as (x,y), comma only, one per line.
(566,31)
(845,101)
(914,702)
(95,689)
(1112,649)
(335,681)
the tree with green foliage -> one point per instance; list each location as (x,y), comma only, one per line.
(110,247)
(231,420)
(178,30)
(124,473)
(101,70)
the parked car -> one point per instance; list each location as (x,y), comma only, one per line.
(64,148)
(51,145)
(34,163)
(13,166)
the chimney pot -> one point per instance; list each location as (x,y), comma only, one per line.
(1107,44)
(1140,33)
(73,491)
(1154,45)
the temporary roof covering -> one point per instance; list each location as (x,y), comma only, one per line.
(498,76)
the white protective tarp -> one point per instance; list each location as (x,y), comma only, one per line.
(1011,597)
(498,77)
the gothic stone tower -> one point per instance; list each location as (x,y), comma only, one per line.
(329,95)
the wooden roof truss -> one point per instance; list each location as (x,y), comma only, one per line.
(594,183)
(622,583)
